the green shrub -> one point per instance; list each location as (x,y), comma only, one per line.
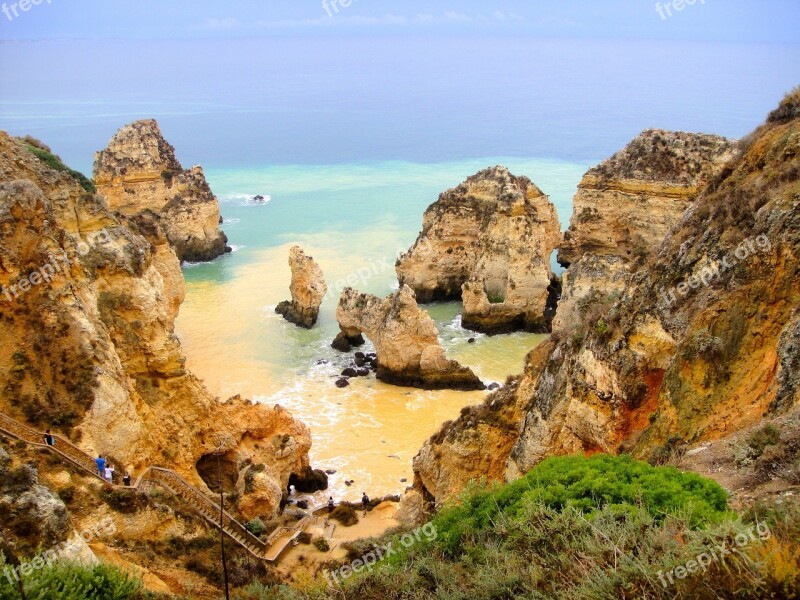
(588,484)
(55,163)
(256,526)
(321,544)
(763,437)
(63,581)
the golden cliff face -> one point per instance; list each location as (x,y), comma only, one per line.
(626,205)
(623,210)
(487,241)
(138,172)
(696,344)
(87,344)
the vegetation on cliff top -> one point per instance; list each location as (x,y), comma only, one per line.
(44,154)
(591,528)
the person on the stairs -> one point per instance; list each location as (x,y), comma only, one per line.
(109,474)
(49,439)
(101,466)
(126,480)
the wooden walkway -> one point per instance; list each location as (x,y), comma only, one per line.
(269,550)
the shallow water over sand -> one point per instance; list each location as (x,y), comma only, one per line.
(233,340)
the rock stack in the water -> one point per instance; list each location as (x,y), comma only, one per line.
(489,242)
(308,288)
(624,208)
(406,341)
(138,172)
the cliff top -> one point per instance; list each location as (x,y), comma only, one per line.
(492,185)
(139,146)
(669,157)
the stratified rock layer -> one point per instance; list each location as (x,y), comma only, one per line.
(487,241)
(700,343)
(626,205)
(405,338)
(88,302)
(307,288)
(623,210)
(138,172)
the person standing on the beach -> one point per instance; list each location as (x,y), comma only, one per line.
(365,503)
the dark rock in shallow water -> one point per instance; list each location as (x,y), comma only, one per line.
(471,340)
(350,372)
(330,471)
(494,386)
(342,383)
(362,372)
(302,504)
(309,481)
(344,343)
(322,361)
(349,482)
(360,355)
(360,360)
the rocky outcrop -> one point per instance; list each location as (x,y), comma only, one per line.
(405,338)
(307,288)
(623,210)
(88,301)
(626,205)
(489,242)
(697,346)
(138,172)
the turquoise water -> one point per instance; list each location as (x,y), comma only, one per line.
(353,219)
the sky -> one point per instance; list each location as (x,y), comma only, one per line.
(697,20)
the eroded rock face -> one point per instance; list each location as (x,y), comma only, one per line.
(626,205)
(308,288)
(88,305)
(488,241)
(688,351)
(138,172)
(623,210)
(405,338)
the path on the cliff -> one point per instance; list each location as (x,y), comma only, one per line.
(269,550)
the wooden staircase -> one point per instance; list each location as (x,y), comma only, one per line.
(269,550)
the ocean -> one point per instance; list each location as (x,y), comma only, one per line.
(349,140)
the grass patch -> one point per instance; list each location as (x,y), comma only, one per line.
(55,163)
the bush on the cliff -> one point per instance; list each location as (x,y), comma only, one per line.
(63,581)
(588,484)
(54,162)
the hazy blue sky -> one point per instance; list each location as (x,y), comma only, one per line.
(713,20)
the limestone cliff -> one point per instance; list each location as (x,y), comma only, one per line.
(623,210)
(700,344)
(307,289)
(487,241)
(138,172)
(87,344)
(405,338)
(626,205)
